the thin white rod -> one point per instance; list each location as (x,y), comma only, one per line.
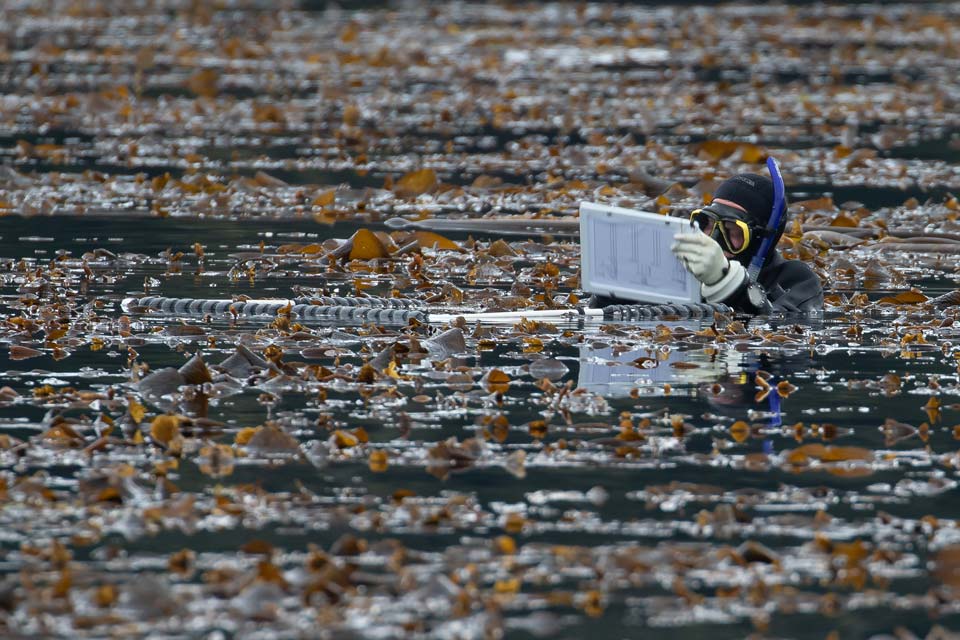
(568,315)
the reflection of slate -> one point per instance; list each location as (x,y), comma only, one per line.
(615,375)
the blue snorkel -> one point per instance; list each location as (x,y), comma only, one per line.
(753,271)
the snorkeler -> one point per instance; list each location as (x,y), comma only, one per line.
(735,257)
(735,225)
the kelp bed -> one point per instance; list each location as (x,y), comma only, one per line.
(223,475)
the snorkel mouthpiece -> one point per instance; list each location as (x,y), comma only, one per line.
(753,271)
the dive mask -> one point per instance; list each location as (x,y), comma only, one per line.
(723,223)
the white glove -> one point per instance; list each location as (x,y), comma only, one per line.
(703,257)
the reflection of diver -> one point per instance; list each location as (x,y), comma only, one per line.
(615,372)
(741,393)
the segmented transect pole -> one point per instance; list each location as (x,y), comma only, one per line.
(258,307)
(395,310)
(661,311)
(368,309)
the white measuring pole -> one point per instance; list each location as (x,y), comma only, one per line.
(554,315)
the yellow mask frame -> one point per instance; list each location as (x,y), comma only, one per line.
(722,223)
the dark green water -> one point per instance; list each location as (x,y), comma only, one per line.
(824,379)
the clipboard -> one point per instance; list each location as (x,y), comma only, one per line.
(626,254)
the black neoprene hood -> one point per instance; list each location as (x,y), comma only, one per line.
(754,193)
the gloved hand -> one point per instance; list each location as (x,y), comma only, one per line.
(702,256)
(719,277)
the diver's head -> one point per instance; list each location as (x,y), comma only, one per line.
(738,215)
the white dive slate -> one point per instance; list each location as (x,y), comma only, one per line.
(626,254)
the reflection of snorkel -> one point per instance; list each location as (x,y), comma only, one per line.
(773,404)
(753,271)
(773,399)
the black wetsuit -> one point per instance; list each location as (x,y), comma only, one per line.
(791,287)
